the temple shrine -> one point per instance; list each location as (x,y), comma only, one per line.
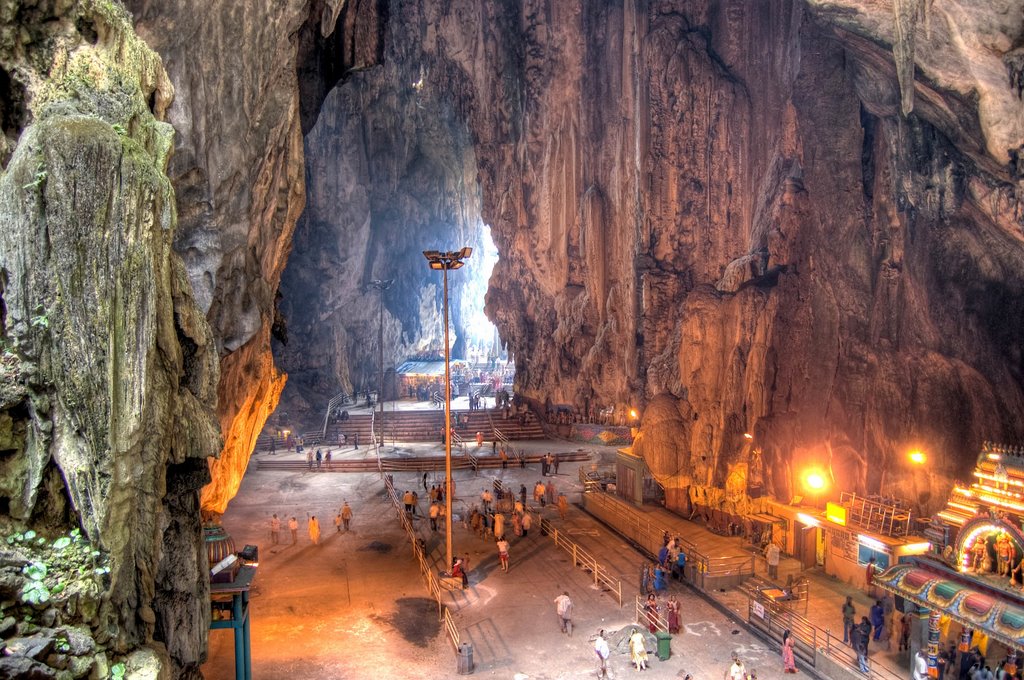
(973,574)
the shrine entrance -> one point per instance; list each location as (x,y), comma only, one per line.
(991,548)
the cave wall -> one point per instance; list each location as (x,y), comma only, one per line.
(736,206)
(239,174)
(109,367)
(732,210)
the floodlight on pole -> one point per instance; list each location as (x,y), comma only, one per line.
(444,262)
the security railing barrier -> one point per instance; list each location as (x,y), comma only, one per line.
(426,570)
(582,558)
(814,646)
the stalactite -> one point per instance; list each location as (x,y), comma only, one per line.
(907,14)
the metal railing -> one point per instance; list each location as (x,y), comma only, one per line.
(339,398)
(426,569)
(459,442)
(514,454)
(810,642)
(582,558)
(649,536)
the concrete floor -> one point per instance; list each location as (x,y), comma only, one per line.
(355,606)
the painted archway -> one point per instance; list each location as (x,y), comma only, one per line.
(989,531)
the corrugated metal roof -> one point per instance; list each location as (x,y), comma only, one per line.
(421,368)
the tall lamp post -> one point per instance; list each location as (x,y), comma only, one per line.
(381,286)
(444,262)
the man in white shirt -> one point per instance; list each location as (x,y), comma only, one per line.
(771,555)
(920,666)
(563,607)
(602,651)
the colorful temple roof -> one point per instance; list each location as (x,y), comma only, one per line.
(965,603)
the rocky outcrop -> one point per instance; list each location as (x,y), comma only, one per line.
(109,370)
(239,187)
(753,228)
(239,176)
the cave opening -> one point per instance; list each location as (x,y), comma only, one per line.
(390,171)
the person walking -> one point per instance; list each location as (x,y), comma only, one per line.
(435,510)
(485,499)
(337,523)
(407,501)
(551,493)
(788,658)
(563,607)
(771,555)
(314,530)
(538,493)
(502,545)
(849,612)
(327,459)
(309,459)
(346,515)
(860,636)
(275,530)
(293,526)
(563,506)
(527,523)
(522,494)
(319,458)
(603,652)
(425,481)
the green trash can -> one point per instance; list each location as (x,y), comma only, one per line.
(664,645)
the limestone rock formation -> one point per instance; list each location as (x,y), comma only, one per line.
(796,219)
(239,176)
(109,371)
(723,203)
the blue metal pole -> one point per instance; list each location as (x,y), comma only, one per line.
(237,623)
(245,636)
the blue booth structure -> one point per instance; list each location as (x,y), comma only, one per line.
(238,607)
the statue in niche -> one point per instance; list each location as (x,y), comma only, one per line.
(755,474)
(736,483)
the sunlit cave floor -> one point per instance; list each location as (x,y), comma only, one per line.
(355,606)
